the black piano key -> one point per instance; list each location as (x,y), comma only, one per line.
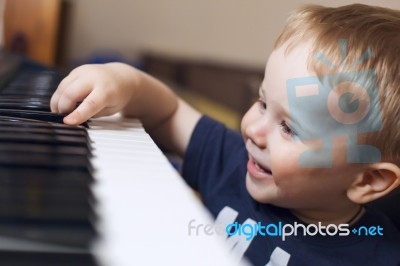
(19,211)
(66,233)
(28,176)
(42,116)
(26,97)
(31,80)
(49,189)
(43,258)
(15,121)
(34,100)
(46,212)
(41,195)
(16,129)
(41,148)
(11,92)
(42,160)
(43,139)
(25,106)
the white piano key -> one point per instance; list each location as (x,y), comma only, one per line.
(144,205)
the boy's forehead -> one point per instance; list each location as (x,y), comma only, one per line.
(291,63)
(283,66)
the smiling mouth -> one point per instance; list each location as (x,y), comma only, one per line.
(262,169)
(257,170)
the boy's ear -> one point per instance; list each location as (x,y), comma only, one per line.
(374,183)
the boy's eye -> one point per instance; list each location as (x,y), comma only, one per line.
(287,130)
(262,104)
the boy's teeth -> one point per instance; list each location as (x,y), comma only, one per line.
(260,168)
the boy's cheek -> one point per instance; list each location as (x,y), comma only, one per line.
(285,165)
(288,164)
(242,129)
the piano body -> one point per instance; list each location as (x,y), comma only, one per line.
(97,194)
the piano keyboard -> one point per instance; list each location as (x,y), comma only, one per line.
(99,196)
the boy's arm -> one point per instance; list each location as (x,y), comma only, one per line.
(167,118)
(110,88)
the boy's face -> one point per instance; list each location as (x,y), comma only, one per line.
(275,174)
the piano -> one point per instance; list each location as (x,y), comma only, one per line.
(101,193)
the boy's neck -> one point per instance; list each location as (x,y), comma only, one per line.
(346,216)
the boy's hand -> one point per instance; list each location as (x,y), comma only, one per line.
(101,89)
(110,88)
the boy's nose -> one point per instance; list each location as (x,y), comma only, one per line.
(257,132)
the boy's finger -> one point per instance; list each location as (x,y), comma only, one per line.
(54,101)
(72,95)
(87,109)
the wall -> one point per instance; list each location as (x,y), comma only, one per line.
(236,31)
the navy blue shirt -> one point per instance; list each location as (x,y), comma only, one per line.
(215,165)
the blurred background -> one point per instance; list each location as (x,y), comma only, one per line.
(212,52)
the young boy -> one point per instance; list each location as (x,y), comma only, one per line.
(321,141)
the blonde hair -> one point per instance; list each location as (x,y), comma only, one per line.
(365,29)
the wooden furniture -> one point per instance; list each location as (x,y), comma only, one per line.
(231,86)
(31,28)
